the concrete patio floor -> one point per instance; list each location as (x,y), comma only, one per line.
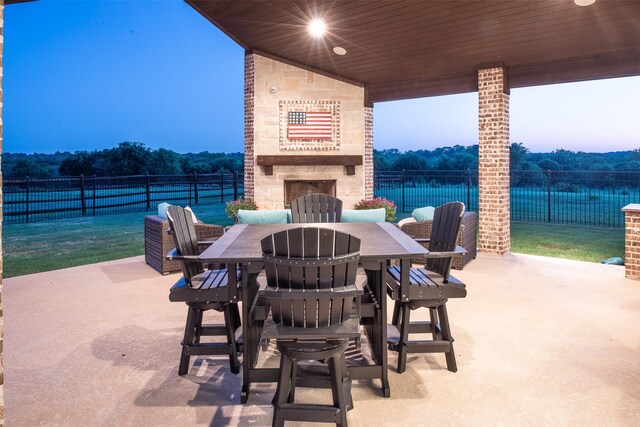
(539,341)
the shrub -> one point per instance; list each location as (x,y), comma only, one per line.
(565,187)
(379,202)
(235,205)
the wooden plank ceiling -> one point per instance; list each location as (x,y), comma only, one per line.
(409,49)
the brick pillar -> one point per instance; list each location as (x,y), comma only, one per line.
(632,241)
(249,103)
(1,269)
(493,159)
(368,152)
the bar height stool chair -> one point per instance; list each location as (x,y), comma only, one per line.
(311,289)
(202,290)
(429,287)
(316,208)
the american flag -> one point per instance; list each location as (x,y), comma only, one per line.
(309,125)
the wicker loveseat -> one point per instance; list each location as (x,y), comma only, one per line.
(158,242)
(466,237)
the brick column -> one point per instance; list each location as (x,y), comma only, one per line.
(249,104)
(493,159)
(368,152)
(1,266)
(632,241)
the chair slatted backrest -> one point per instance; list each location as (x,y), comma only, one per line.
(444,233)
(186,240)
(311,274)
(316,208)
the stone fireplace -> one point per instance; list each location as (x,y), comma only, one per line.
(279,166)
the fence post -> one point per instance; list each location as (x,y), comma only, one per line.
(468,189)
(195,187)
(548,195)
(94,195)
(148,192)
(235,185)
(402,178)
(83,199)
(26,198)
(221,187)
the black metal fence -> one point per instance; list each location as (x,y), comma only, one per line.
(575,197)
(29,200)
(585,198)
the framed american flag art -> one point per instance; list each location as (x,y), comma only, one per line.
(309,125)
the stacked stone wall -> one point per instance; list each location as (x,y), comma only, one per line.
(272,85)
(493,159)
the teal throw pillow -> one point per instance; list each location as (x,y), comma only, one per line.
(423,214)
(162,210)
(262,217)
(365,215)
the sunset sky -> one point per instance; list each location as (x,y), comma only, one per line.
(84,75)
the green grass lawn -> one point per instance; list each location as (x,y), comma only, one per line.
(50,245)
(567,241)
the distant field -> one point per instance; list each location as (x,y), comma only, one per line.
(584,206)
(51,245)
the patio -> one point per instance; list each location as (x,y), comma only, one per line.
(539,341)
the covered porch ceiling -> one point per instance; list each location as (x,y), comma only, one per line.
(409,49)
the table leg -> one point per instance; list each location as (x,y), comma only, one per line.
(382,283)
(250,347)
(376,326)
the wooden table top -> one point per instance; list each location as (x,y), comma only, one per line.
(379,240)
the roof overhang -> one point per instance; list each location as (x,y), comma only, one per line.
(409,49)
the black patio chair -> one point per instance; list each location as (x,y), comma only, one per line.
(316,208)
(429,287)
(311,288)
(202,290)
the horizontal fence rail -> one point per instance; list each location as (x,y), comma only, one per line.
(29,200)
(562,197)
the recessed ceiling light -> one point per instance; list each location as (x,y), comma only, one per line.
(317,27)
(339,50)
(584,2)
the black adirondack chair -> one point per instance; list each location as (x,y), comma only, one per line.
(202,290)
(428,287)
(311,288)
(316,208)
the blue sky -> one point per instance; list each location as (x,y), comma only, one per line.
(84,75)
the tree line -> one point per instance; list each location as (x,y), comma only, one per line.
(128,158)
(461,157)
(134,158)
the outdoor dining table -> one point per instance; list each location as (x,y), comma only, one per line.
(380,243)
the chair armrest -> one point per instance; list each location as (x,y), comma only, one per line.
(173,256)
(422,239)
(447,254)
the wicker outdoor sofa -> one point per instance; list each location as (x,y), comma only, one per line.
(466,236)
(158,242)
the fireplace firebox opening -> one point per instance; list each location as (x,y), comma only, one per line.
(296,188)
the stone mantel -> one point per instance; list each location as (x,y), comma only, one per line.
(349,161)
